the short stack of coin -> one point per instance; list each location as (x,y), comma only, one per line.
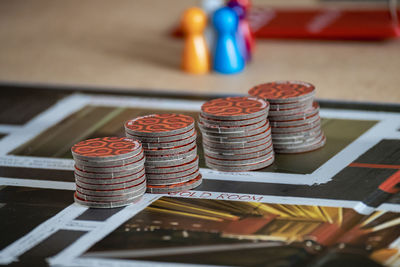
(236,134)
(109,172)
(294,115)
(169,142)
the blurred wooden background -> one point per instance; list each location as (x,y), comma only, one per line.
(125,44)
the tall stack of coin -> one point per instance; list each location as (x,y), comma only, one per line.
(169,142)
(109,172)
(294,115)
(236,134)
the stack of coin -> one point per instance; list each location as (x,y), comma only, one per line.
(294,115)
(169,142)
(236,134)
(109,172)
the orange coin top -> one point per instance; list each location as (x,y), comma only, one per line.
(234,106)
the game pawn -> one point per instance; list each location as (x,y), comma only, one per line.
(209,7)
(227,58)
(195,57)
(244,26)
(240,33)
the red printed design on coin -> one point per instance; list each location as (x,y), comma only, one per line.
(157,123)
(234,106)
(283,90)
(105,147)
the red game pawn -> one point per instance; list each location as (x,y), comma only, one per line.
(244,25)
(196,57)
(244,51)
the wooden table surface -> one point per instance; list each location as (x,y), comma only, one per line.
(125,44)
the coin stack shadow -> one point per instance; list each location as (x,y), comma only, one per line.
(109,172)
(294,115)
(236,134)
(169,142)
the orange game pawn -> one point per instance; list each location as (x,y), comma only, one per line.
(196,57)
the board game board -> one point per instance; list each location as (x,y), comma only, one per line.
(307,208)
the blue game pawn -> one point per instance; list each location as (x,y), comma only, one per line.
(227,57)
